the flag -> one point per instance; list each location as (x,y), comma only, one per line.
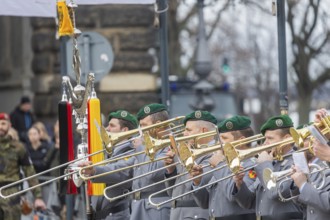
(65,26)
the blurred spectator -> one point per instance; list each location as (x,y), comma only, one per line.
(44,136)
(38,150)
(22,118)
(42,154)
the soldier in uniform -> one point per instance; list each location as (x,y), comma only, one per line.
(13,157)
(197,122)
(316,200)
(268,205)
(119,121)
(141,208)
(231,129)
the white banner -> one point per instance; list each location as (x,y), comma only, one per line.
(47,8)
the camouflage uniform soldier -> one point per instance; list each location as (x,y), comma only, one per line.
(14,156)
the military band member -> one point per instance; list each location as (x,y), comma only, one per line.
(119,121)
(316,200)
(197,122)
(267,202)
(322,151)
(218,198)
(141,209)
(13,157)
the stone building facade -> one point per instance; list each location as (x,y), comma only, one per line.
(30,58)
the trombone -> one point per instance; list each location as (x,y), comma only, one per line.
(71,168)
(188,157)
(154,144)
(148,151)
(152,149)
(235,156)
(276,179)
(110,141)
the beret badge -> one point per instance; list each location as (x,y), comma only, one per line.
(279,122)
(198,114)
(123,114)
(229,125)
(146,109)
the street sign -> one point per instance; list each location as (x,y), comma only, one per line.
(96,56)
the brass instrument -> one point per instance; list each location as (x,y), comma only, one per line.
(111,139)
(159,144)
(188,156)
(72,169)
(302,134)
(276,179)
(158,205)
(122,136)
(235,156)
(155,145)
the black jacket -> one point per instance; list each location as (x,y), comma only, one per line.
(18,121)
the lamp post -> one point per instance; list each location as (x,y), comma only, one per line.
(202,66)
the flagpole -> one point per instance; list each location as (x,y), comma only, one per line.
(165,94)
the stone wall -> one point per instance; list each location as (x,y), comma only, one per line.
(129,85)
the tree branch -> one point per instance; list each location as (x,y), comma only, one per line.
(216,21)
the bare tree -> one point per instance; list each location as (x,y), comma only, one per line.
(309,26)
(180,23)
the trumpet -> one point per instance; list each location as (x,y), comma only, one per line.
(276,179)
(300,135)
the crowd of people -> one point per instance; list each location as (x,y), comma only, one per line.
(213,187)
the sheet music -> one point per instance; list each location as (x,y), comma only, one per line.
(317,134)
(300,161)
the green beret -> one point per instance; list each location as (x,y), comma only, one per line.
(200,115)
(276,122)
(149,110)
(124,115)
(304,125)
(234,124)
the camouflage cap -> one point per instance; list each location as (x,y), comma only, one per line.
(124,115)
(276,122)
(4,116)
(149,110)
(234,123)
(200,115)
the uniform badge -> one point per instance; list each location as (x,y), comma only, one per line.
(279,123)
(198,114)
(252,174)
(123,114)
(146,109)
(229,125)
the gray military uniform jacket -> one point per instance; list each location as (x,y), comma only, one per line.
(100,203)
(267,202)
(188,211)
(218,197)
(141,208)
(317,201)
